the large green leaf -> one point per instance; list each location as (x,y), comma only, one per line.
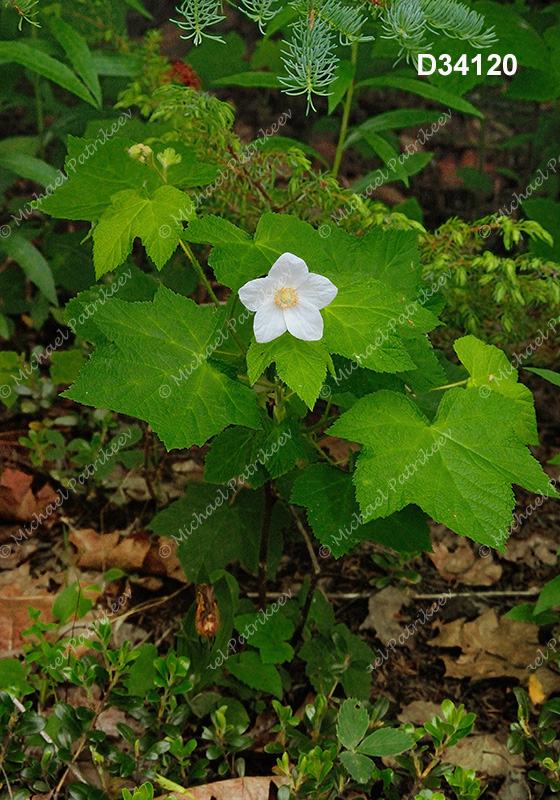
(78,54)
(301,365)
(548,374)
(32,262)
(209,531)
(459,469)
(412,165)
(490,371)
(387,154)
(549,596)
(270,634)
(334,515)
(154,366)
(360,767)
(136,5)
(29,167)
(34,59)
(340,657)
(132,214)
(97,170)
(256,455)
(392,120)
(422,89)
(374,276)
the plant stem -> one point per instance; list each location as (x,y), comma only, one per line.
(448,386)
(345,114)
(323,421)
(38,103)
(194,261)
(326,456)
(196,264)
(263,551)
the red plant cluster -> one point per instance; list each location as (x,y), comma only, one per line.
(184,74)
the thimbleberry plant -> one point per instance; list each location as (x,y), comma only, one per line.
(334,340)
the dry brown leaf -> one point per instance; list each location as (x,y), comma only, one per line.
(14,547)
(106,550)
(17,592)
(485,754)
(419,711)
(514,788)
(16,498)
(235,789)
(162,560)
(132,552)
(384,608)
(532,552)
(491,647)
(17,501)
(455,560)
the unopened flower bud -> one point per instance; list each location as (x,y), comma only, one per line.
(140,152)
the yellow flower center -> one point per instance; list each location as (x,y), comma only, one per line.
(286,297)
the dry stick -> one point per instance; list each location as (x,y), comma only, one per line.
(269,500)
(7,780)
(366,595)
(301,529)
(149,604)
(314,579)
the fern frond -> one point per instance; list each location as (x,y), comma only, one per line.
(310,59)
(260,11)
(458,22)
(198,15)
(24,9)
(343,17)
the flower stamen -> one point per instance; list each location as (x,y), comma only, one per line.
(286,297)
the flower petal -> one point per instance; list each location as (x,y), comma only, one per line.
(255,293)
(288,270)
(269,323)
(304,321)
(318,290)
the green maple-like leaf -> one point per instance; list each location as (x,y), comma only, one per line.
(210,533)
(248,668)
(358,325)
(132,214)
(153,365)
(459,469)
(255,455)
(365,322)
(269,635)
(301,365)
(95,173)
(490,371)
(334,515)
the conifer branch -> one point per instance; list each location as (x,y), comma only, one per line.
(197,16)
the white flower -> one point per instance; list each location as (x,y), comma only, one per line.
(288,299)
